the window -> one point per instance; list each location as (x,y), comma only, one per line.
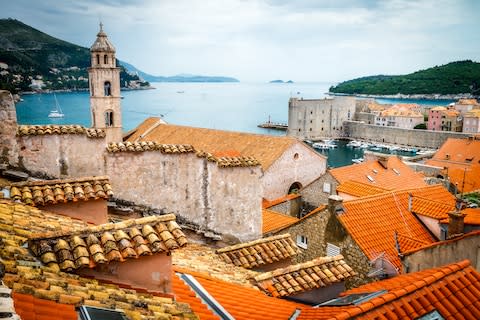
(107,88)
(295,156)
(302,241)
(327,187)
(98,59)
(332,250)
(94,313)
(109,118)
(105,59)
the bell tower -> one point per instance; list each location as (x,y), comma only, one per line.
(104,80)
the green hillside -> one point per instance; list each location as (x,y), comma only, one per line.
(453,78)
(31,54)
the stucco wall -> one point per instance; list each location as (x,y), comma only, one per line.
(431,224)
(67,155)
(91,211)
(419,138)
(449,252)
(226,200)
(307,166)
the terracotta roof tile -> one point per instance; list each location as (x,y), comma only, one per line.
(461,160)
(240,161)
(148,146)
(467,101)
(373,221)
(266,149)
(359,189)
(241,302)
(60,191)
(29,307)
(432,209)
(260,252)
(38,130)
(450,290)
(407,243)
(273,221)
(391,174)
(314,274)
(472,217)
(108,242)
(270,203)
(24,275)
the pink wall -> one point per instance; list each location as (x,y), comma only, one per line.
(93,211)
(434,120)
(153,273)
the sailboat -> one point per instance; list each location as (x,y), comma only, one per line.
(57,111)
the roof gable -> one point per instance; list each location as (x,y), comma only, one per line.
(266,149)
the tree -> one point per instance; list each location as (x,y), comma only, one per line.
(421,126)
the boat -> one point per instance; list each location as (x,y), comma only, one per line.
(358,160)
(57,111)
(323,146)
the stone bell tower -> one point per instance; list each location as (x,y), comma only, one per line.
(104,79)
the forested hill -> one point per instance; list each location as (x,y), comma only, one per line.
(31,59)
(461,77)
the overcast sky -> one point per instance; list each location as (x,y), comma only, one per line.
(261,40)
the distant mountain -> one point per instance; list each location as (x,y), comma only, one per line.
(177,78)
(461,77)
(33,60)
(281,81)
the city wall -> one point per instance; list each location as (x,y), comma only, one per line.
(410,137)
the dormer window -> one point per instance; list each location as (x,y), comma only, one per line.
(107,88)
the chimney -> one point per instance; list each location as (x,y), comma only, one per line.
(334,204)
(410,202)
(456,221)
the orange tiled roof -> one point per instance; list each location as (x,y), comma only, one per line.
(310,275)
(452,290)
(359,189)
(28,130)
(108,242)
(438,108)
(472,216)
(382,173)
(260,252)
(433,209)
(60,191)
(461,158)
(272,221)
(407,243)
(270,203)
(29,307)
(474,113)
(241,302)
(25,275)
(128,146)
(266,149)
(467,101)
(443,242)
(373,221)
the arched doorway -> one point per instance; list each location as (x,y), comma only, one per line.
(294,187)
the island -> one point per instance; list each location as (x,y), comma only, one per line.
(281,81)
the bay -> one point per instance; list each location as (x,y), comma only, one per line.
(227,106)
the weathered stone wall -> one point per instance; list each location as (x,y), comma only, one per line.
(224,200)
(60,156)
(449,252)
(8,128)
(314,193)
(307,165)
(411,137)
(321,228)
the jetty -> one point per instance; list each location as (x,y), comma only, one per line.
(273,125)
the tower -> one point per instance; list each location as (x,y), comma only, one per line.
(104,79)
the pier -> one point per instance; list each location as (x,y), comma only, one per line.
(273,125)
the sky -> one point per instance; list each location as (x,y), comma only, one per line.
(262,40)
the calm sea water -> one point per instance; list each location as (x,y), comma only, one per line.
(227,106)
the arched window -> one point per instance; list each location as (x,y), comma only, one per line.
(98,59)
(109,118)
(105,59)
(107,88)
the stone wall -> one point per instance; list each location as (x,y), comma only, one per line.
(321,228)
(314,193)
(8,128)
(411,137)
(307,165)
(224,200)
(466,247)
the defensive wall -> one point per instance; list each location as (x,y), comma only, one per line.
(410,137)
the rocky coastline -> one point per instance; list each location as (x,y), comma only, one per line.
(433,96)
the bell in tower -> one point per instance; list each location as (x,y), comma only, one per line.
(104,79)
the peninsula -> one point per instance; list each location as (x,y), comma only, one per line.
(460,79)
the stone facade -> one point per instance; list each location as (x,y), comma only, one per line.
(411,137)
(298,165)
(465,247)
(318,192)
(8,128)
(319,118)
(322,228)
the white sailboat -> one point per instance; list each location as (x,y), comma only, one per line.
(57,111)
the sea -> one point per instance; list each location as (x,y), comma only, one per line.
(237,106)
